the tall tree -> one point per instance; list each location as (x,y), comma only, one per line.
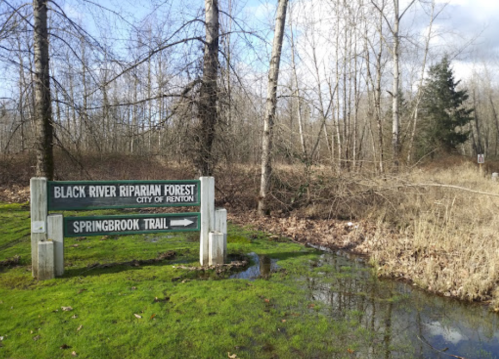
(395,50)
(444,112)
(208,92)
(43,109)
(270,107)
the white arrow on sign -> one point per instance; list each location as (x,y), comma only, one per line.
(180,222)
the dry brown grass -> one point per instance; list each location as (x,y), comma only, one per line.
(446,240)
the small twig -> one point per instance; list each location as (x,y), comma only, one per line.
(451,186)
(438,350)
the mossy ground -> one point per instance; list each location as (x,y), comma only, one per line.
(183,314)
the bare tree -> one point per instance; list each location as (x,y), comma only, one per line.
(43,109)
(208,92)
(395,51)
(270,107)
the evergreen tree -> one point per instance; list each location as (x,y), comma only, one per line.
(443,111)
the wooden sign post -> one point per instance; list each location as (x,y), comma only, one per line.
(481,161)
(48,231)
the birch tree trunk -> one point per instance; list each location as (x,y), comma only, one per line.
(297,95)
(43,109)
(396,82)
(208,92)
(270,108)
(421,82)
(22,84)
(395,49)
(478,146)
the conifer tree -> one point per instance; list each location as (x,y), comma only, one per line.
(444,113)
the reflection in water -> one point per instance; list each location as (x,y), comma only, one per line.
(408,323)
(263,268)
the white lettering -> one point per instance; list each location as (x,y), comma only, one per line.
(102,191)
(81,189)
(175,199)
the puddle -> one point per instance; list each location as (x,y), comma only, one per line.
(263,267)
(408,323)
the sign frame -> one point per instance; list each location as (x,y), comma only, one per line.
(52,207)
(67,221)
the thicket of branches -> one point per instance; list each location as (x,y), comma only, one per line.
(127,80)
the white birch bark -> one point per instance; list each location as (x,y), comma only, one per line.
(270,107)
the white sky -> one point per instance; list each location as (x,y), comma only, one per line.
(469,30)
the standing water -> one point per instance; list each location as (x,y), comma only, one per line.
(399,320)
(412,324)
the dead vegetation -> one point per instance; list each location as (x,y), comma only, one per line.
(434,225)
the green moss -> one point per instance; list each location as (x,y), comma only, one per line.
(183,313)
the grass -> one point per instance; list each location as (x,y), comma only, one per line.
(161,311)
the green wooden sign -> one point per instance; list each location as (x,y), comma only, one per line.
(78,195)
(130,224)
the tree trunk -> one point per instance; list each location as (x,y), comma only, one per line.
(208,92)
(43,109)
(22,84)
(479,149)
(296,93)
(395,89)
(270,108)
(421,82)
(496,122)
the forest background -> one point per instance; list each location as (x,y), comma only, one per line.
(155,89)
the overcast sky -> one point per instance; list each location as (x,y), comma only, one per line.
(474,26)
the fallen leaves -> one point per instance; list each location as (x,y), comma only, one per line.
(66,309)
(231,356)
(137,316)
(79,328)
